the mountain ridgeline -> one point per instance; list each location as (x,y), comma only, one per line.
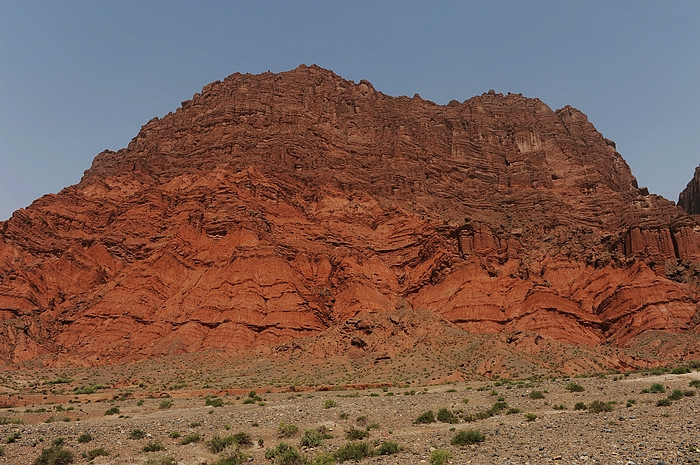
(281,207)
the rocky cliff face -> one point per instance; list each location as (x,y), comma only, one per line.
(689,199)
(277,206)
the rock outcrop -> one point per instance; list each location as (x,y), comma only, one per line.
(689,199)
(277,206)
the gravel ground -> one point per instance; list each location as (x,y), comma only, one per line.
(635,431)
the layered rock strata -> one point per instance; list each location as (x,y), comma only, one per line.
(277,206)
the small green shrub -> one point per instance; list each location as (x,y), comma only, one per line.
(497,408)
(664,402)
(2,451)
(218,444)
(677,394)
(214,402)
(94,453)
(174,434)
(355,434)
(13,437)
(657,388)
(353,451)
(152,447)
(575,387)
(330,403)
(680,370)
(165,404)
(84,438)
(59,380)
(580,406)
(695,383)
(242,438)
(559,407)
(536,395)
(310,438)
(440,457)
(234,457)
(314,437)
(388,448)
(425,418)
(512,410)
(284,454)
(112,411)
(689,392)
(287,430)
(55,455)
(10,421)
(446,416)
(137,434)
(160,461)
(466,437)
(598,406)
(190,438)
(89,389)
(530,416)
(323,458)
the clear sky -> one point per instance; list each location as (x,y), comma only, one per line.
(77,77)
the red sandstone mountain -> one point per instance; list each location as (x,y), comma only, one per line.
(276,206)
(689,199)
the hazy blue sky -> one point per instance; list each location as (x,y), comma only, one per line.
(77,77)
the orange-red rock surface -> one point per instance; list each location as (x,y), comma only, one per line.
(277,206)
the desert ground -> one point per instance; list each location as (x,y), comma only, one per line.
(164,413)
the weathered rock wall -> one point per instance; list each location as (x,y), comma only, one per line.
(689,199)
(276,206)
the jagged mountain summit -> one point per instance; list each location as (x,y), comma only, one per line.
(275,207)
(689,199)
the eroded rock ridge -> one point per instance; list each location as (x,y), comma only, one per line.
(277,206)
(689,199)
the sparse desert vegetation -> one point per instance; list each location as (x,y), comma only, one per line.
(335,423)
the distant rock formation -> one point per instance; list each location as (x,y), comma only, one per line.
(276,206)
(689,199)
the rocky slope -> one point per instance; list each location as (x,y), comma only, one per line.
(277,206)
(689,199)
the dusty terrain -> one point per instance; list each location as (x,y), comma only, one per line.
(163,399)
